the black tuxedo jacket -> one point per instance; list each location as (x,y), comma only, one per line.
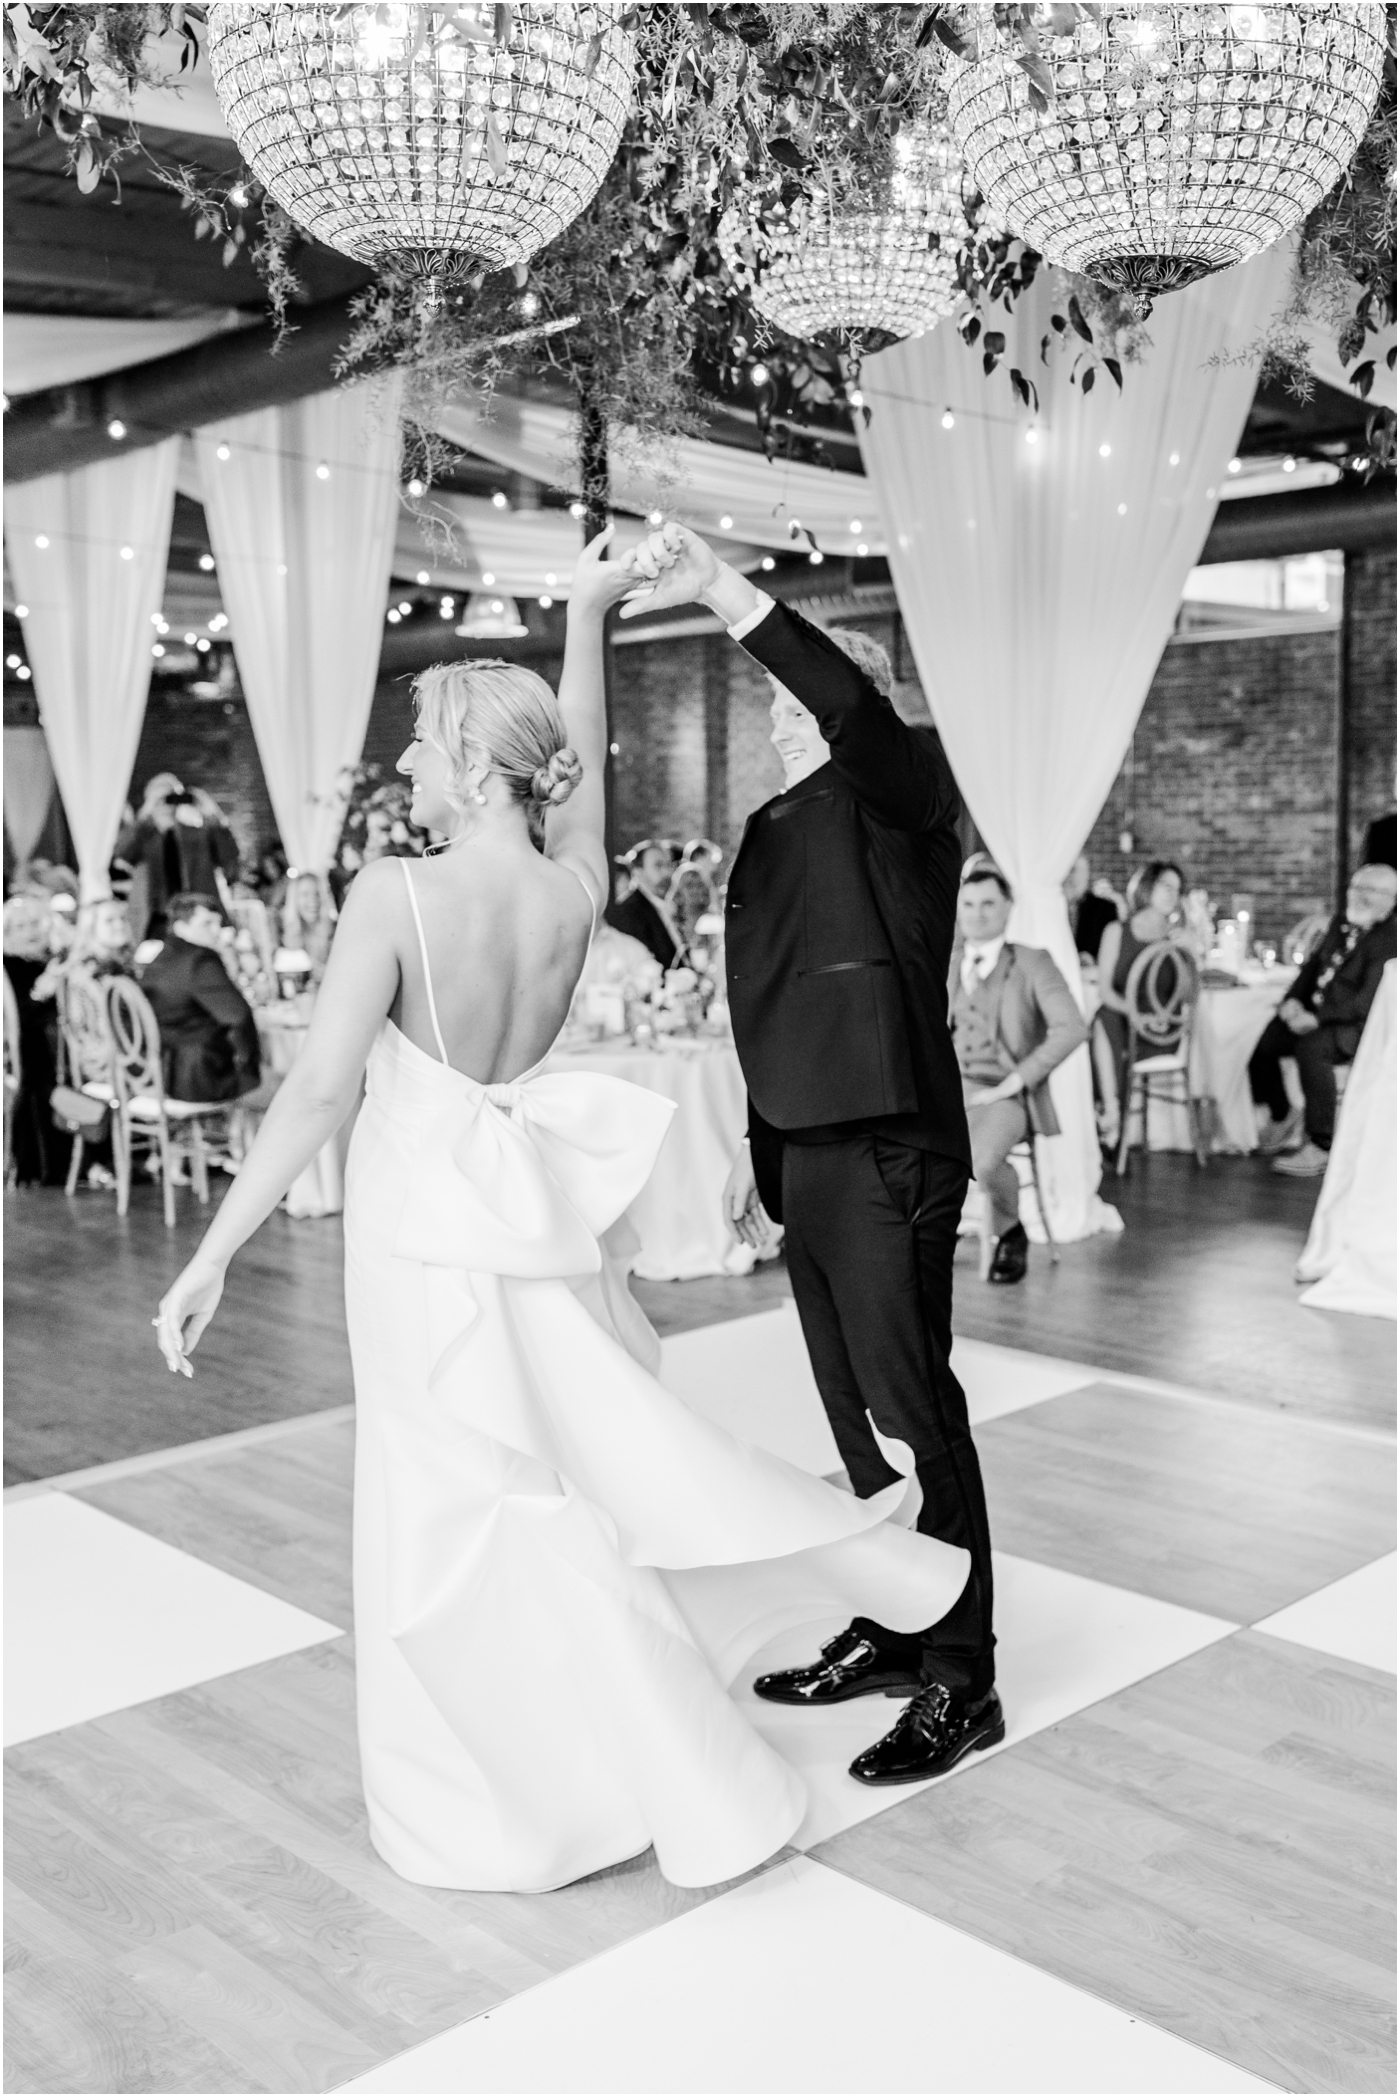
(208,1036)
(1346,999)
(635,915)
(839,922)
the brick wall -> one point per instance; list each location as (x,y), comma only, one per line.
(1371,723)
(1232,770)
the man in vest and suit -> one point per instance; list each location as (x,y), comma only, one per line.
(208,1036)
(1014,1020)
(838,934)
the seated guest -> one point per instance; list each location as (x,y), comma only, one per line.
(40,1150)
(1093,907)
(1319,1022)
(308,920)
(644,912)
(691,897)
(208,1036)
(1013,1020)
(1155,895)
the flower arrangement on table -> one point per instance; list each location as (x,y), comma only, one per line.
(376,823)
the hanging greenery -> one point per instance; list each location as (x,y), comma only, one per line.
(741,108)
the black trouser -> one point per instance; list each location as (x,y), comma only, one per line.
(1317,1055)
(871,1230)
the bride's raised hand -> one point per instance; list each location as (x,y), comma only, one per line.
(670,566)
(185,1310)
(598,583)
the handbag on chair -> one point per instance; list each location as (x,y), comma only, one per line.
(77,1114)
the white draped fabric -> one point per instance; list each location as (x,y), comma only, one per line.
(698,483)
(1039,560)
(87,552)
(302,515)
(28,788)
(529,553)
(1350,1254)
(59,349)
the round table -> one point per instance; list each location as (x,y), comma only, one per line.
(677,1215)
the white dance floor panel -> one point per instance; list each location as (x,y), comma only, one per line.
(1353,1618)
(804,1980)
(100,1616)
(752,1376)
(1063,1643)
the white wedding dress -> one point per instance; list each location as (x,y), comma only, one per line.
(560,1568)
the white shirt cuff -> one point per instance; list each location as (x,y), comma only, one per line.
(750,620)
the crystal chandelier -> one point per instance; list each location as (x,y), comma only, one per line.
(821,268)
(1178,139)
(442,140)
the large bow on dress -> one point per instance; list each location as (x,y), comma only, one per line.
(524,1179)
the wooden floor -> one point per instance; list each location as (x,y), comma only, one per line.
(1198,1290)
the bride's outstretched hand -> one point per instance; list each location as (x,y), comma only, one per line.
(599,583)
(185,1310)
(670,566)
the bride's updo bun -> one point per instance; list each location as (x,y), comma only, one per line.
(554,782)
(506,718)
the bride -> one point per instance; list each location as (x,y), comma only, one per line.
(559,1568)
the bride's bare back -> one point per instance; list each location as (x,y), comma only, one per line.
(507,933)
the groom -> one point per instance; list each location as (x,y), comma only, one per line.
(838,932)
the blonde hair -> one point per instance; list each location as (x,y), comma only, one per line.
(506,717)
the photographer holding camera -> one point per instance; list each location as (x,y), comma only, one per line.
(179,843)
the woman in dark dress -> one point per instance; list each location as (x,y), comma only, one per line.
(41,1151)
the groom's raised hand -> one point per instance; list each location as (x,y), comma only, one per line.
(670,566)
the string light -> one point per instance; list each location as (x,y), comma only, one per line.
(116,429)
(768,564)
(422,576)
(206,562)
(41,541)
(946,418)
(500,500)
(24,673)
(1105,451)
(21,611)
(416,488)
(726,523)
(157,649)
(578,509)
(816,558)
(128,553)
(545,603)
(223,454)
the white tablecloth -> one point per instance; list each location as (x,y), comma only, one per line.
(1350,1253)
(1228,1025)
(677,1215)
(319,1190)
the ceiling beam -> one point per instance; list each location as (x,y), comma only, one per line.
(55,431)
(1350,516)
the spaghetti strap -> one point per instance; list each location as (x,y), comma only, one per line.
(427,972)
(593,905)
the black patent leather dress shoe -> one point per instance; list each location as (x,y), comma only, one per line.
(1009,1259)
(931,1736)
(850,1666)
